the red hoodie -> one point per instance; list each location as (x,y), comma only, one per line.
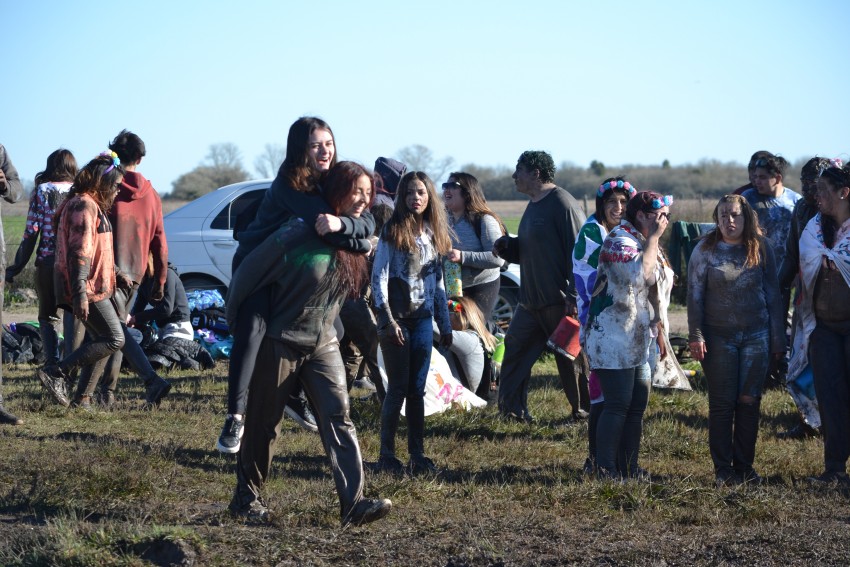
(136,218)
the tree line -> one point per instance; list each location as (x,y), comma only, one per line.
(707,178)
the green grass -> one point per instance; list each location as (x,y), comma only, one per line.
(512,224)
(107,488)
(13,229)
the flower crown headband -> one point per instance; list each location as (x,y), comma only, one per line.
(616,184)
(834,162)
(455,306)
(665,201)
(115,161)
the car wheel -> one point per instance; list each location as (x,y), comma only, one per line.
(506,304)
(193,282)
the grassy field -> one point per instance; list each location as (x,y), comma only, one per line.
(130,487)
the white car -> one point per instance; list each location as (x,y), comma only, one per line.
(201,244)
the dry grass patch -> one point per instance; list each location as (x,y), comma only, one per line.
(130,487)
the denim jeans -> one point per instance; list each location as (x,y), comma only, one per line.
(735,365)
(620,426)
(525,341)
(597,407)
(830,358)
(407,371)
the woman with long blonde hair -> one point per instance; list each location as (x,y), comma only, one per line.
(471,342)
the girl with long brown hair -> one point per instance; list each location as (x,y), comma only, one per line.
(51,185)
(86,276)
(408,291)
(475,229)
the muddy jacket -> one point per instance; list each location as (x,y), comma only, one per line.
(297,266)
(84,261)
(136,218)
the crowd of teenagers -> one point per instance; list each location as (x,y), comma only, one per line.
(344,275)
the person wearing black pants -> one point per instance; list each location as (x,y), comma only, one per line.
(10,190)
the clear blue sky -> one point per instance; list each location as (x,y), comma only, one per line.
(616,81)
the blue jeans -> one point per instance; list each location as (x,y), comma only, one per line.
(735,365)
(830,358)
(407,371)
(620,426)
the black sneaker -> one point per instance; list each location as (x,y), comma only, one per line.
(231,435)
(389,465)
(517,418)
(750,477)
(156,389)
(54,380)
(725,477)
(830,477)
(8,418)
(255,511)
(422,465)
(800,431)
(639,474)
(299,411)
(367,510)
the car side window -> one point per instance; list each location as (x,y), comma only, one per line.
(226,218)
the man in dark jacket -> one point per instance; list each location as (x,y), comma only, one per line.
(10,190)
(543,248)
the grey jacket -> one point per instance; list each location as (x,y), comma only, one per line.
(11,191)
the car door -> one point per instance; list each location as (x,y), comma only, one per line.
(218,232)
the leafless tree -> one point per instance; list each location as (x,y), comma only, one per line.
(420,158)
(224,155)
(223,166)
(269,161)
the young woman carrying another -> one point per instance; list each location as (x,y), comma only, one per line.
(307,281)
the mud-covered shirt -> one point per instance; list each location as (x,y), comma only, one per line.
(622,309)
(774,214)
(723,293)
